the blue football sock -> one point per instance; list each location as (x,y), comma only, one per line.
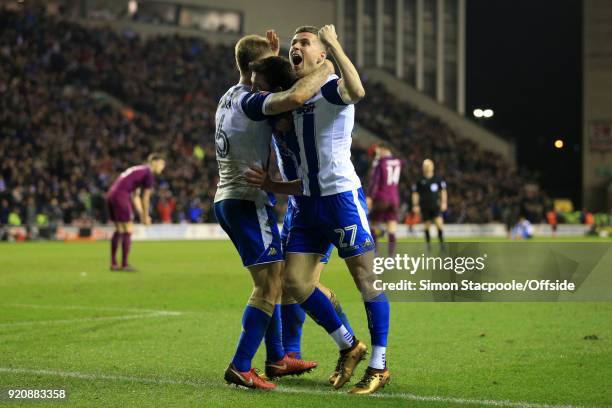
(254,325)
(292,317)
(274,340)
(377,310)
(322,311)
(344,318)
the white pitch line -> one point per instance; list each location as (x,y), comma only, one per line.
(447,400)
(89,319)
(78,307)
(288,390)
(85,376)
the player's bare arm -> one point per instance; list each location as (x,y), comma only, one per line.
(374,177)
(350,86)
(137,202)
(260,178)
(369,203)
(146,201)
(300,92)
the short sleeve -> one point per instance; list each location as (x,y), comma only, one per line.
(331,92)
(253,105)
(443,184)
(149,180)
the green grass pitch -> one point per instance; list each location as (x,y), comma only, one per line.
(163,337)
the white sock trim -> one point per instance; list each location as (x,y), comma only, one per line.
(342,337)
(378,358)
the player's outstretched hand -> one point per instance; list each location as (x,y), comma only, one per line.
(257,177)
(274,41)
(327,35)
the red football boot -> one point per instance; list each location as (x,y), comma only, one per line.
(288,366)
(248,379)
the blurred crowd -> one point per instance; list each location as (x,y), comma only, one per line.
(79,105)
(482,186)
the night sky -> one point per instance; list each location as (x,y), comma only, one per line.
(524,60)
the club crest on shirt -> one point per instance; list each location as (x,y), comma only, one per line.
(222,143)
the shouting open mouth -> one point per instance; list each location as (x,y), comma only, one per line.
(296,59)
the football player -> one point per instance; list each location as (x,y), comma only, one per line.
(132,188)
(383,194)
(245,212)
(276,74)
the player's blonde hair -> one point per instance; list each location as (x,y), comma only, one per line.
(155,156)
(251,48)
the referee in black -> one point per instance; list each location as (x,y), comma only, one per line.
(429,199)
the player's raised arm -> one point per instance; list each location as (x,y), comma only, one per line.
(300,92)
(349,85)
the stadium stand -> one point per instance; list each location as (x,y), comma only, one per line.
(78,105)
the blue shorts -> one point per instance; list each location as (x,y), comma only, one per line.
(340,219)
(287,222)
(252,228)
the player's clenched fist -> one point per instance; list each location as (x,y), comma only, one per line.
(327,35)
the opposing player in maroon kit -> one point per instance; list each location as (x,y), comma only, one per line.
(124,192)
(383,195)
